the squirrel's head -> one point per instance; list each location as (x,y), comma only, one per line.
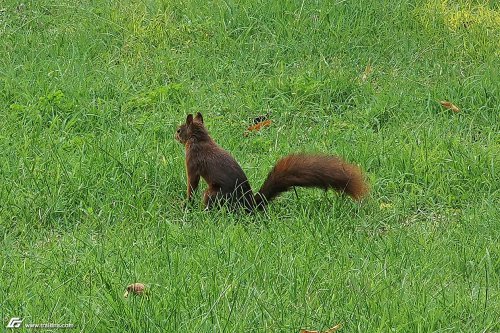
(193,129)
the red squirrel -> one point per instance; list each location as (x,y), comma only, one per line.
(227,183)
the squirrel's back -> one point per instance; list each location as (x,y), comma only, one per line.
(219,169)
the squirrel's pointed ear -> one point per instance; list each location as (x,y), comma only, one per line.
(199,117)
(189,119)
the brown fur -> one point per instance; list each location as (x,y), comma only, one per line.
(227,183)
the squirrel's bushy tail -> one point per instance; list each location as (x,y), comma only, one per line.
(312,171)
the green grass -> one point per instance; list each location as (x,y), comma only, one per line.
(92,183)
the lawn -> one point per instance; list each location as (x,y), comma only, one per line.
(92,186)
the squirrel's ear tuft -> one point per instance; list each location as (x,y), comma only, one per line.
(199,117)
(189,119)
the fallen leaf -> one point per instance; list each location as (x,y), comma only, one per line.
(330,330)
(450,106)
(134,288)
(258,126)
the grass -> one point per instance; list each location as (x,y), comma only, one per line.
(92,183)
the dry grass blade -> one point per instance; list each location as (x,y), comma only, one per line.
(366,73)
(450,106)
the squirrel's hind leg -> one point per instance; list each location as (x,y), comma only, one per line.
(212,198)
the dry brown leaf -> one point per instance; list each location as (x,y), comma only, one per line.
(330,330)
(134,288)
(258,126)
(450,106)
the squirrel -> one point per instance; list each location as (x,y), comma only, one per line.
(227,183)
